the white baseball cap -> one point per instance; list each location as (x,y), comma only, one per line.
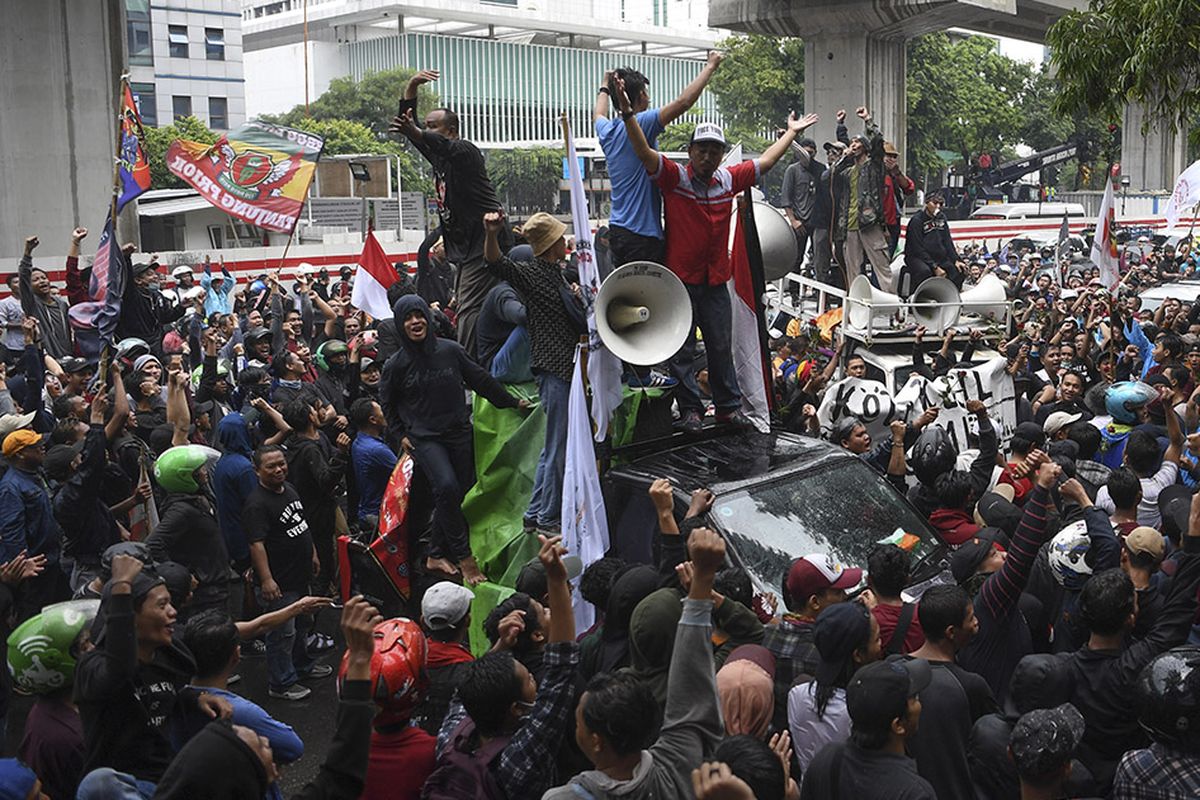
(708,132)
(1059,420)
(181,270)
(445,604)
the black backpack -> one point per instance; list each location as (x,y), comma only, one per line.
(462,773)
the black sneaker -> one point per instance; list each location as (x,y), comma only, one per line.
(255,648)
(735,418)
(692,422)
(318,643)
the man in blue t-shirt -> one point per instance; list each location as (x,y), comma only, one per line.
(635,230)
(373,459)
(635,222)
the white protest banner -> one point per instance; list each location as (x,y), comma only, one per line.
(870,401)
(989,383)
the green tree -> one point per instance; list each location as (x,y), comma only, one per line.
(372,101)
(1130,51)
(963,97)
(675,137)
(526,180)
(159,139)
(760,81)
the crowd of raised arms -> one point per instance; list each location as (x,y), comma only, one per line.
(169,508)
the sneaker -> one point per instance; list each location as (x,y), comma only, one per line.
(529,525)
(693,422)
(653,380)
(318,643)
(255,648)
(232,679)
(317,671)
(293,692)
(734,418)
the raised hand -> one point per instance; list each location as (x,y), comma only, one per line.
(714,58)
(862,113)
(493,221)
(78,235)
(807,121)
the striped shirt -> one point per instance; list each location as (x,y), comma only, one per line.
(698,218)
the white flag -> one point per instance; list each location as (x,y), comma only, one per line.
(584,520)
(1104,245)
(1186,194)
(604,369)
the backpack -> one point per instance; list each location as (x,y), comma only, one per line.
(463,774)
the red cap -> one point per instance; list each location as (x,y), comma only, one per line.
(815,573)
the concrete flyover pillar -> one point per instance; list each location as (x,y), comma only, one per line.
(850,69)
(1151,160)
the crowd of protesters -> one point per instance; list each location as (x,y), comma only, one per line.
(169,507)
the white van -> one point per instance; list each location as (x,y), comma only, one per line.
(1029,211)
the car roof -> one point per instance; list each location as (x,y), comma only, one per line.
(728,462)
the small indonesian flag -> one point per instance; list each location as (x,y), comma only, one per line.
(372,279)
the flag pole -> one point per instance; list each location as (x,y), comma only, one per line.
(116,183)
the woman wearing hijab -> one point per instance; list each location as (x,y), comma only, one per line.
(746,686)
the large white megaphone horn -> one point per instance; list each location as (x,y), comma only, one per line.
(945,308)
(643,313)
(987,299)
(868,307)
(776,240)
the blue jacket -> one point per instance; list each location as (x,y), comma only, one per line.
(373,464)
(233,480)
(216,299)
(26,517)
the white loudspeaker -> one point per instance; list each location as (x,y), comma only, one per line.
(643,313)
(990,292)
(862,305)
(776,240)
(942,292)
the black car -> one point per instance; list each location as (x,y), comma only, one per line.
(779,496)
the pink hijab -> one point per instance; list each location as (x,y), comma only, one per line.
(747,691)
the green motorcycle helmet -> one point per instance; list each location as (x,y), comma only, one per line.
(43,649)
(175,470)
(222,372)
(330,348)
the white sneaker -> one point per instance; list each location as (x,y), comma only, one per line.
(293,692)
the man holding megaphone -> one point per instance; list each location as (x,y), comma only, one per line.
(698,204)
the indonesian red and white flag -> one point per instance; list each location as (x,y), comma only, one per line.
(1104,245)
(747,346)
(372,279)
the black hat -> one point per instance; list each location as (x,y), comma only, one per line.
(971,553)
(878,693)
(75,364)
(254,334)
(204,408)
(839,631)
(532,578)
(806,142)
(1040,680)
(1175,506)
(138,269)
(997,511)
(57,462)
(1045,739)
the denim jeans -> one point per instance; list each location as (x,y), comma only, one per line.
(545,506)
(108,784)
(287,656)
(712,312)
(448,462)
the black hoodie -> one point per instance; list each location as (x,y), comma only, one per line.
(421,388)
(127,707)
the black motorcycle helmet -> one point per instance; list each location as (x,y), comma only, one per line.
(1168,695)
(932,455)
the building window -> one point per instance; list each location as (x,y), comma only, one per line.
(181,106)
(218,113)
(177,41)
(137,31)
(214,44)
(147,103)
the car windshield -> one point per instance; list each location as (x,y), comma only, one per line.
(844,509)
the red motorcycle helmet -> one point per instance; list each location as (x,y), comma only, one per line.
(398,677)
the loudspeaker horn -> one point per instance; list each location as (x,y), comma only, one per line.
(776,240)
(643,313)
(862,305)
(992,296)
(941,291)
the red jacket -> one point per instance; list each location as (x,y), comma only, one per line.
(954,524)
(893,189)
